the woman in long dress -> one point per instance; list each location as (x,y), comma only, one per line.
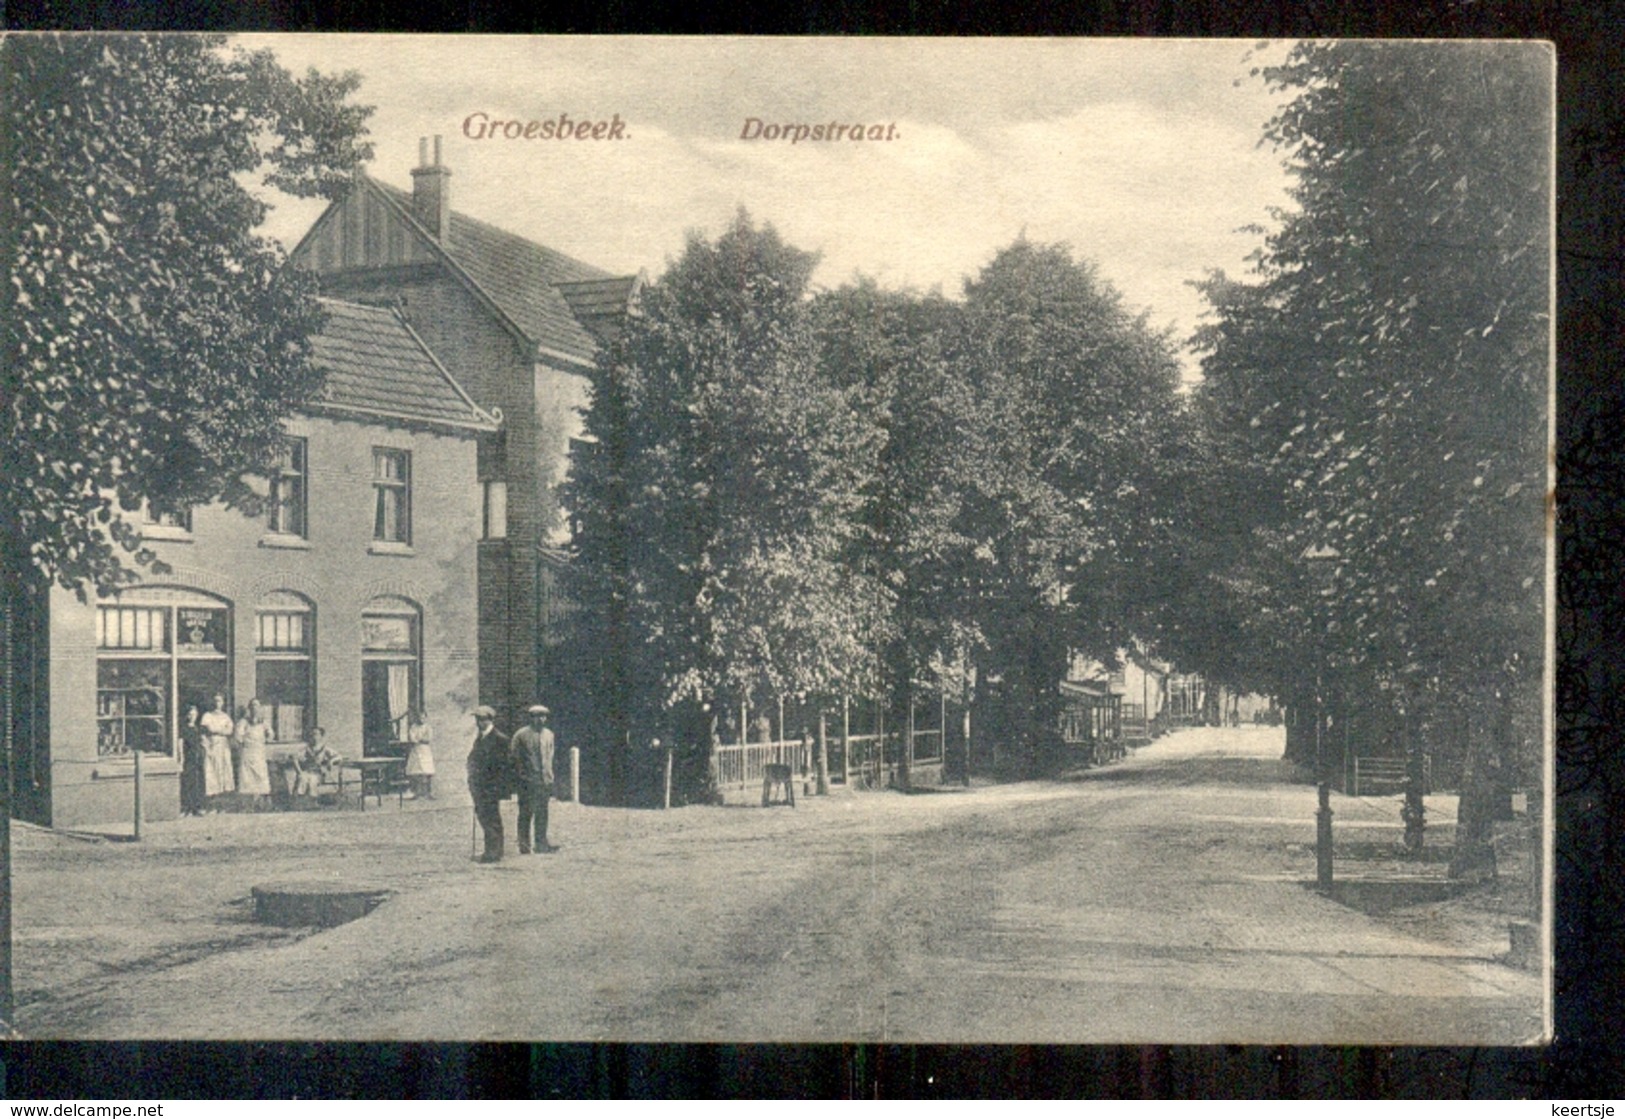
(253,775)
(192,764)
(217,731)
(420,758)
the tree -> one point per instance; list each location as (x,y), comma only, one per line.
(715,509)
(154,342)
(1385,378)
(1072,401)
(889,349)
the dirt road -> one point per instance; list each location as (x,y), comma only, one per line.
(1159,899)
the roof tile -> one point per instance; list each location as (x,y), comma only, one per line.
(524,279)
(376,365)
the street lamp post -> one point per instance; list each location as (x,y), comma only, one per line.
(1321,559)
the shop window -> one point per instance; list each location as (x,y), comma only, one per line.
(284,681)
(392,496)
(288,500)
(132,701)
(157,650)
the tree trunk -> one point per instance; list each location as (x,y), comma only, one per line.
(1414,812)
(1300,728)
(1474,855)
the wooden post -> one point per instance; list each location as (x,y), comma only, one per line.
(846,740)
(137,794)
(667,802)
(781,719)
(575,775)
(823,756)
(907,758)
(965,728)
(880,742)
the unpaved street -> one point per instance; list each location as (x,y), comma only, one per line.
(1158,899)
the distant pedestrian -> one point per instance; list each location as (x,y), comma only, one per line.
(253,771)
(218,779)
(420,758)
(193,764)
(533,765)
(490,779)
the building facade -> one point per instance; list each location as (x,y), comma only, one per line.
(519,325)
(349,602)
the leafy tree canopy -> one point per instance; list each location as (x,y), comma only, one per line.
(1380,386)
(716,505)
(155,341)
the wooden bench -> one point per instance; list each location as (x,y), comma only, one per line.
(778,785)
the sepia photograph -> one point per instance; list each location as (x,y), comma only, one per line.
(953,541)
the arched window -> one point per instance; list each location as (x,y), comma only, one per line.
(158,649)
(391,671)
(284,677)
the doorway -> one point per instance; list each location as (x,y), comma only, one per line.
(391,684)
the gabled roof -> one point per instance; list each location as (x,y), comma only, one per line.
(601,305)
(524,280)
(378,367)
(1085,689)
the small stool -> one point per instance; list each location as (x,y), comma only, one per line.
(778,779)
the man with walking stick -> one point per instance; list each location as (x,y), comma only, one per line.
(533,766)
(490,779)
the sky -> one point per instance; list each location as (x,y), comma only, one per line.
(1142,156)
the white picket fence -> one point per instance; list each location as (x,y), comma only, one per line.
(741,766)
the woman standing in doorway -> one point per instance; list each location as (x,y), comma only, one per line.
(217,731)
(192,764)
(420,759)
(253,775)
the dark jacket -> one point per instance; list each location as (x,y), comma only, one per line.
(490,767)
(533,757)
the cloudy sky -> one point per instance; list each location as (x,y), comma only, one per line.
(1143,156)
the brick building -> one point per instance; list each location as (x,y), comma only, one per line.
(350,601)
(519,325)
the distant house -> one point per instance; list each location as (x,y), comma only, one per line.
(519,325)
(1107,708)
(1143,685)
(350,601)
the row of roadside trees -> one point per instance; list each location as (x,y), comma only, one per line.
(789,492)
(1376,394)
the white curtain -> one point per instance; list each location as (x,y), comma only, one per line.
(400,696)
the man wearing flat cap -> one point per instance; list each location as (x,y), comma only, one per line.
(490,779)
(533,764)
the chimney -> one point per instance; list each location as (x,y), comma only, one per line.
(431,191)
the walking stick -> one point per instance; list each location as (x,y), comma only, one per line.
(473,822)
